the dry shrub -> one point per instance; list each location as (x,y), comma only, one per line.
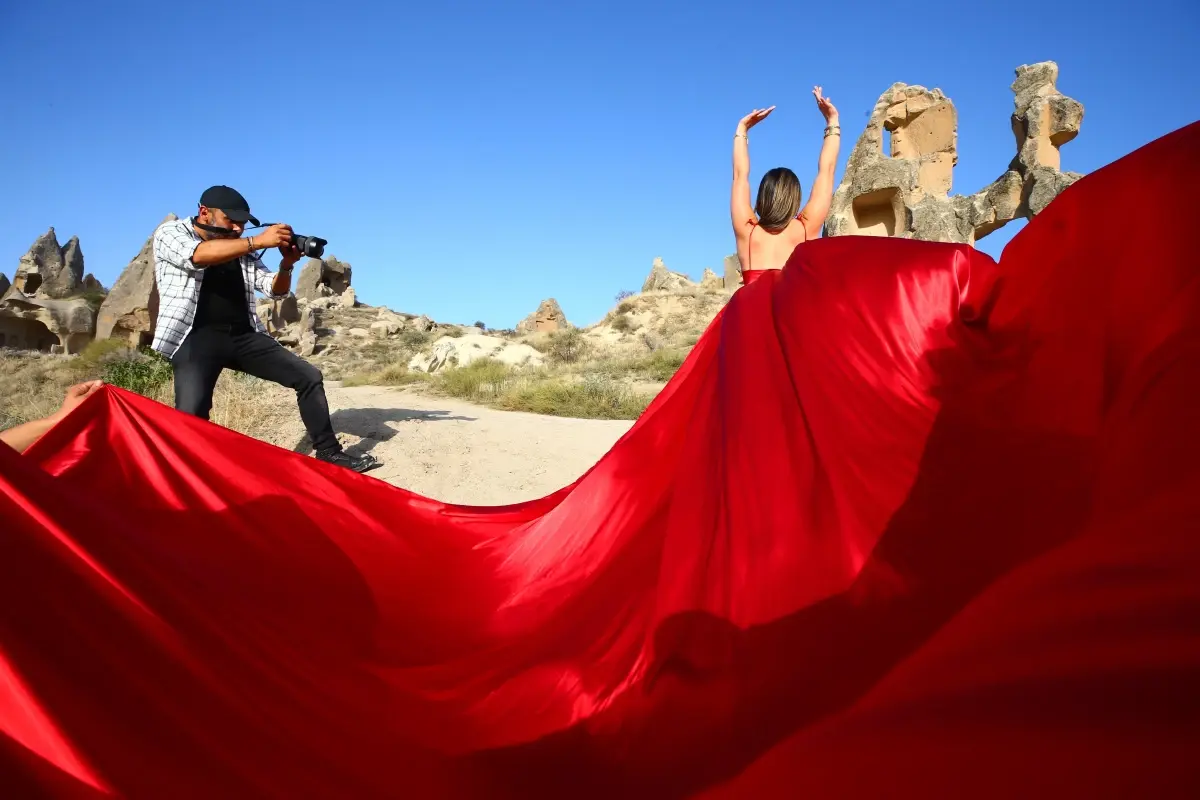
(397,374)
(33,386)
(495,384)
(255,407)
(567,346)
(481,380)
(596,397)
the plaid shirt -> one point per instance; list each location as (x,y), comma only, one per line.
(179,281)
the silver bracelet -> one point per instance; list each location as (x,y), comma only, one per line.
(742,135)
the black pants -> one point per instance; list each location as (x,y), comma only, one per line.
(207,351)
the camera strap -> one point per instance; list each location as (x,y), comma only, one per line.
(213,228)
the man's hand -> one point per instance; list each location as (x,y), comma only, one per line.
(75,395)
(274,236)
(290,253)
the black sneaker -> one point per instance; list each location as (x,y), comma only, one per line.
(359,463)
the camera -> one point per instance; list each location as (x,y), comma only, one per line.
(311,246)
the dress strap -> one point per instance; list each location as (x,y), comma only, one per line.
(753,224)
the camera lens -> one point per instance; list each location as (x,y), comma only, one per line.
(311,246)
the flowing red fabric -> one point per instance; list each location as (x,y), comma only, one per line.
(906,522)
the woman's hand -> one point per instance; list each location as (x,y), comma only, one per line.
(75,395)
(826,107)
(753,118)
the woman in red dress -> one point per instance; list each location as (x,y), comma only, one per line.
(777,212)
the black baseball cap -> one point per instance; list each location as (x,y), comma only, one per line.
(230,201)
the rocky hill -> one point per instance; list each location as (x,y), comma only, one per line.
(544,362)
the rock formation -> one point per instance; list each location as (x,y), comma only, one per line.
(278,314)
(548,317)
(131,307)
(907,193)
(710,280)
(49,270)
(322,278)
(41,309)
(662,279)
(733,272)
(4,284)
(385,328)
(461,351)
(307,333)
(41,323)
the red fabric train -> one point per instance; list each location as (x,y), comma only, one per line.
(906,522)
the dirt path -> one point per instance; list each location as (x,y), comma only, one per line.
(462,453)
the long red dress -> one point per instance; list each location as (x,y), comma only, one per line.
(906,522)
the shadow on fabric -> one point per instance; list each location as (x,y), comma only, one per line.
(722,695)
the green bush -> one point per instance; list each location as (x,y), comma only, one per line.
(102,351)
(483,379)
(596,397)
(567,346)
(415,339)
(142,372)
(397,374)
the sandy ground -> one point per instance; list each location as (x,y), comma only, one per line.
(462,453)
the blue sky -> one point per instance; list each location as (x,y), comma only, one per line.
(471,159)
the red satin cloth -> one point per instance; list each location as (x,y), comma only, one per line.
(905,523)
(749,276)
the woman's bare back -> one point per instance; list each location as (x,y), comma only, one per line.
(762,249)
(780,196)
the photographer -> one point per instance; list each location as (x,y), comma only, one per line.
(207,274)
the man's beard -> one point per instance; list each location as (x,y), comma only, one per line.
(219,232)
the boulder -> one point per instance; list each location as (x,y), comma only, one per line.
(385,328)
(392,318)
(322,278)
(279,314)
(321,303)
(461,351)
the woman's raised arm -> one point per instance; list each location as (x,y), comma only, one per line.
(819,199)
(741,210)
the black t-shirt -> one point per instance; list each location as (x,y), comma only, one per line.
(223,297)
